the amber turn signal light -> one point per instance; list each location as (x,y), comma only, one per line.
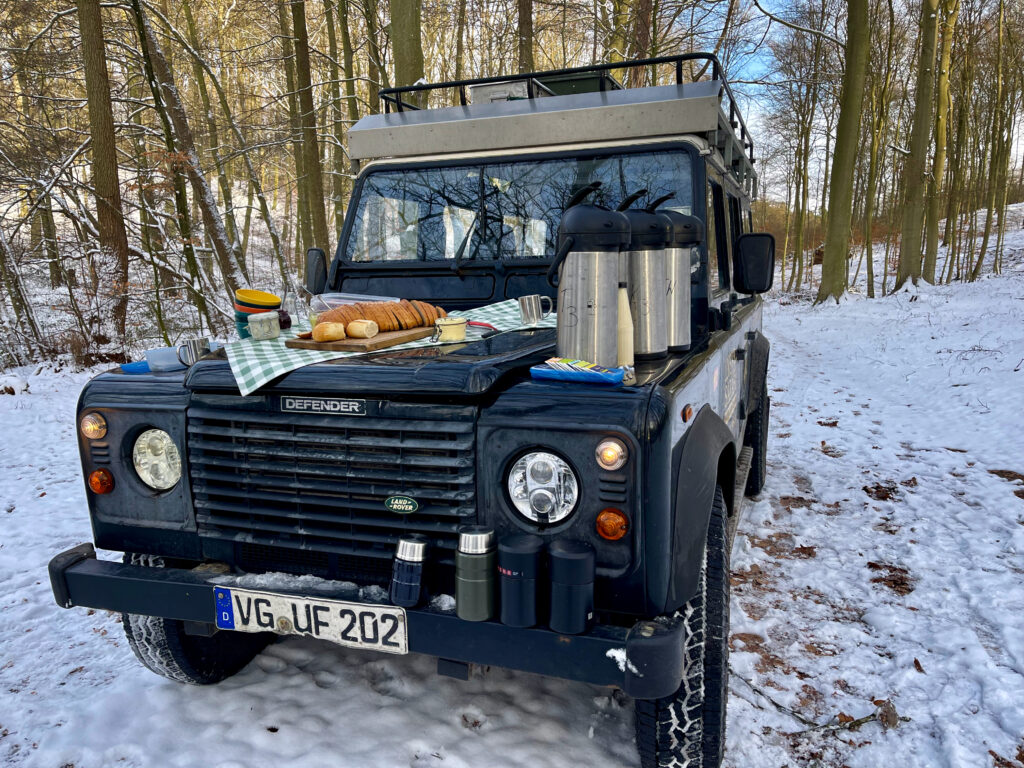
(101,481)
(612,524)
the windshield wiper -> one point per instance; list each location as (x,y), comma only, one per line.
(457,264)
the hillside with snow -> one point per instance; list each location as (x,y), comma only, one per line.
(878,579)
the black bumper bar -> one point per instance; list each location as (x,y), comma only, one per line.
(646,661)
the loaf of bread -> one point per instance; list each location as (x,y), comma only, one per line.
(384,315)
(329,332)
(361,329)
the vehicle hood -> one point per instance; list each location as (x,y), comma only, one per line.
(473,368)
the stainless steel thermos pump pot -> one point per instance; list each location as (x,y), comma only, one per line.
(587,265)
(680,257)
(648,282)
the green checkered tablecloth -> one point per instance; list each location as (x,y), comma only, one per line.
(254,363)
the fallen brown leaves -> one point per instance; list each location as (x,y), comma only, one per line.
(881,491)
(830,450)
(895,578)
(795,502)
(1008,474)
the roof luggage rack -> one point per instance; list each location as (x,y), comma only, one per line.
(532,95)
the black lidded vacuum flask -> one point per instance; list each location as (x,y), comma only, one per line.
(475,566)
(572,586)
(407,571)
(519,568)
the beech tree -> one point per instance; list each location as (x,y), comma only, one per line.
(106,184)
(915,181)
(840,201)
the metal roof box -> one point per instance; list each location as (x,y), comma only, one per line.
(509,90)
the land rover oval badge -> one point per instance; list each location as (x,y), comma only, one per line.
(403,505)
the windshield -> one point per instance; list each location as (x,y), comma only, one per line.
(501,210)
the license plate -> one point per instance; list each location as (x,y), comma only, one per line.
(376,627)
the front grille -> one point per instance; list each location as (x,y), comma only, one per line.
(317,483)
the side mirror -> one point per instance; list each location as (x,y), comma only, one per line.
(753,262)
(316,271)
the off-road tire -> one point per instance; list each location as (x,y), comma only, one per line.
(757,438)
(163,646)
(687,729)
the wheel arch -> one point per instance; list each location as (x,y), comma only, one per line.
(760,348)
(704,458)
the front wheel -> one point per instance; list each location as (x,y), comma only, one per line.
(164,647)
(687,729)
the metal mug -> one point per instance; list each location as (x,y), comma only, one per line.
(531,308)
(193,349)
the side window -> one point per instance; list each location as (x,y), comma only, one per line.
(735,220)
(718,248)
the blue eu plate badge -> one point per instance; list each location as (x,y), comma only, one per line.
(225,613)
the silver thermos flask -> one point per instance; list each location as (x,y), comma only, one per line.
(649,234)
(687,235)
(587,269)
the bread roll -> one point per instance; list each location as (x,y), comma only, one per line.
(329,332)
(362,329)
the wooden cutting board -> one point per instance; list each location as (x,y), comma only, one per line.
(380,341)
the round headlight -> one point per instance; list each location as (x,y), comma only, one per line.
(93,426)
(543,488)
(156,459)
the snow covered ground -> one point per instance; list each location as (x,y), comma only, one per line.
(884,562)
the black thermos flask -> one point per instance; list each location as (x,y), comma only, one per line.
(407,571)
(475,566)
(518,568)
(572,587)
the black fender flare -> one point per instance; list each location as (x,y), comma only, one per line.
(705,457)
(759,350)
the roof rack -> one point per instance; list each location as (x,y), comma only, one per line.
(393,96)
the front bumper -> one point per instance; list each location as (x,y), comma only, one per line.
(645,661)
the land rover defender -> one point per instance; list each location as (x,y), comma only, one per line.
(322,471)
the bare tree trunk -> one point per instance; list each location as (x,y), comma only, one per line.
(407,44)
(112,235)
(914,180)
(307,118)
(255,185)
(304,226)
(840,195)
(460,40)
(641,39)
(994,157)
(230,224)
(525,34)
(950,11)
(23,313)
(337,123)
(227,257)
(376,72)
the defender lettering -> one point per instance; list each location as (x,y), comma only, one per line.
(323,405)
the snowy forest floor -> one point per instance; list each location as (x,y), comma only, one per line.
(883,562)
